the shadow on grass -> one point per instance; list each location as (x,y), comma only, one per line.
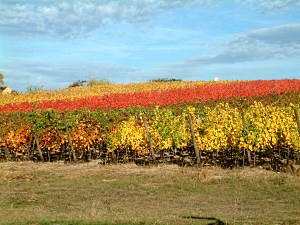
(212,220)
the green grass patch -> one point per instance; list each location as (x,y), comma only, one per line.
(89,193)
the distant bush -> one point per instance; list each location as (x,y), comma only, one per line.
(94,82)
(78,83)
(1,78)
(165,80)
(34,88)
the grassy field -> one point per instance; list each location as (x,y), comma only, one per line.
(89,193)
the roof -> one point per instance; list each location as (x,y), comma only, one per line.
(3,88)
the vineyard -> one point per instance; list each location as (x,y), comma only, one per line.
(226,123)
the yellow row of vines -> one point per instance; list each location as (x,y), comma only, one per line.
(266,127)
(220,128)
(270,127)
(168,130)
(128,135)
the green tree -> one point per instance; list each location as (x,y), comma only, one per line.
(94,82)
(1,78)
(165,80)
(34,89)
(78,83)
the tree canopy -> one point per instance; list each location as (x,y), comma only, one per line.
(1,78)
(165,80)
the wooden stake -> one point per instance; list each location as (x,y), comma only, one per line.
(104,124)
(152,153)
(30,146)
(114,157)
(194,140)
(7,154)
(297,119)
(70,140)
(244,130)
(38,147)
(244,152)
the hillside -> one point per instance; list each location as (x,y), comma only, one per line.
(187,123)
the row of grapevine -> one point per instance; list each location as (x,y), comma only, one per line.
(222,134)
(160,97)
(97,90)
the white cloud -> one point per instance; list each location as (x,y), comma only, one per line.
(179,3)
(273,5)
(73,18)
(270,43)
(62,19)
(78,18)
(286,35)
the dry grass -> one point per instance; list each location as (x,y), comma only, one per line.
(88,193)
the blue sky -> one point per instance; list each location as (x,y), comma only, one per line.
(52,43)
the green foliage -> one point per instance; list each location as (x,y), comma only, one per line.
(34,88)
(165,80)
(94,82)
(1,78)
(78,83)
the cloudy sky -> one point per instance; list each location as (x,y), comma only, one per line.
(52,43)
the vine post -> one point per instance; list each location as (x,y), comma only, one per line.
(104,125)
(194,140)
(37,142)
(7,154)
(297,118)
(34,130)
(247,150)
(69,138)
(149,140)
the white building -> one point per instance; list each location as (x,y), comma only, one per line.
(5,90)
